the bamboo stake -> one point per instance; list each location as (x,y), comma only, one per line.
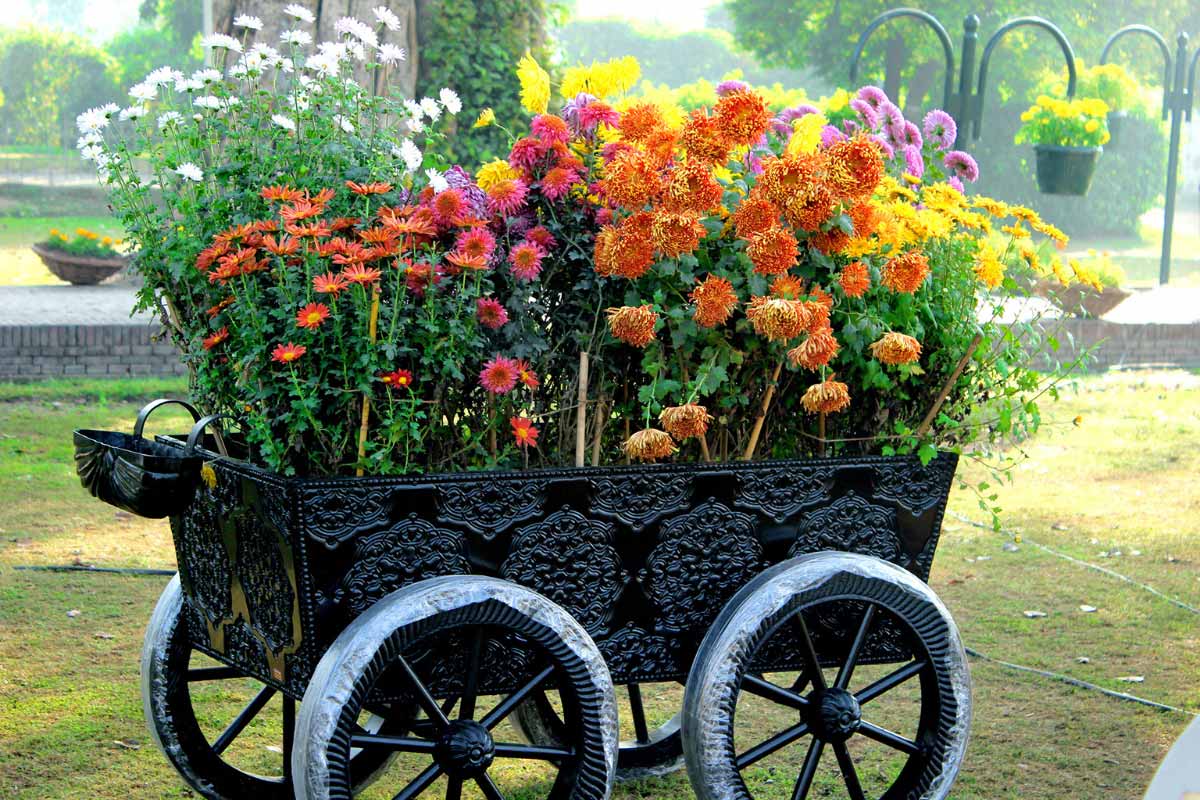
(581,418)
(926,423)
(704,447)
(372,327)
(821,434)
(762,413)
(598,435)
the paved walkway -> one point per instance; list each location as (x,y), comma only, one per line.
(107,304)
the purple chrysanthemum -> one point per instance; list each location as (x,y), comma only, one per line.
(890,116)
(884,145)
(570,110)
(873,96)
(790,115)
(866,112)
(476,198)
(940,128)
(729,87)
(850,126)
(913,163)
(912,135)
(956,183)
(830,136)
(962,165)
(780,127)
(754,164)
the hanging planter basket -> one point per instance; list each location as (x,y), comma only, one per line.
(1066,170)
(80,270)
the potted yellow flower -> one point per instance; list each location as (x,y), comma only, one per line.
(1066,136)
(84,259)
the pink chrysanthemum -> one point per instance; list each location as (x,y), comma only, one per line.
(476,243)
(526,153)
(595,113)
(550,128)
(541,237)
(507,197)
(526,261)
(557,182)
(490,313)
(872,96)
(499,375)
(962,165)
(940,128)
(914,164)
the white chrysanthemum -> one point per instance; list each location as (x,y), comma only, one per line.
(188,85)
(214,40)
(89,138)
(411,155)
(239,70)
(133,112)
(163,76)
(169,118)
(391,54)
(144,92)
(357,50)
(413,108)
(450,100)
(189,171)
(95,119)
(284,122)
(91,152)
(437,181)
(387,17)
(414,124)
(207,101)
(247,21)
(296,37)
(323,64)
(207,75)
(299,12)
(431,108)
(344,123)
(198,117)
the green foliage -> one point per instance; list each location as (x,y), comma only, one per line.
(472,48)
(47,78)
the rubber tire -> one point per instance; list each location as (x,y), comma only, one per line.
(713,686)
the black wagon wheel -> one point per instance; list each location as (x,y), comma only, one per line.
(400,645)
(652,751)
(172,698)
(826,712)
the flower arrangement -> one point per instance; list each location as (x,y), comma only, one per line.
(84,242)
(1065,123)
(1110,83)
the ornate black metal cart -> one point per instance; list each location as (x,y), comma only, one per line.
(396,610)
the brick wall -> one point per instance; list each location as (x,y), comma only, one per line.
(34,352)
(1127,345)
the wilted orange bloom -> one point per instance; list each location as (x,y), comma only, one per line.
(904,273)
(312,315)
(685,421)
(703,139)
(786,179)
(640,120)
(788,287)
(754,215)
(650,444)
(603,252)
(632,251)
(283,194)
(827,397)
(773,251)
(743,117)
(630,180)
(817,349)
(896,348)
(676,234)
(715,300)
(855,279)
(660,147)
(691,187)
(633,325)
(776,318)
(378,187)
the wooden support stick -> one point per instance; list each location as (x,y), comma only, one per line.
(762,413)
(821,434)
(372,328)
(704,447)
(581,417)
(598,434)
(927,423)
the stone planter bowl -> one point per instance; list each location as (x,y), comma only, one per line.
(80,270)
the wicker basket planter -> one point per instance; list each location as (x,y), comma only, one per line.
(80,270)
(1079,300)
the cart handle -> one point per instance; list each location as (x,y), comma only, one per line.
(198,431)
(150,407)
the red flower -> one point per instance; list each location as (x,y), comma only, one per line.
(301,209)
(357,273)
(490,313)
(523,431)
(218,337)
(499,375)
(397,379)
(286,245)
(377,187)
(541,237)
(467,260)
(281,194)
(312,315)
(287,353)
(527,375)
(475,242)
(526,260)
(328,283)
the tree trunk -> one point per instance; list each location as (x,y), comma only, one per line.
(895,59)
(402,77)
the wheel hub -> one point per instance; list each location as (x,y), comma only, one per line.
(465,749)
(835,714)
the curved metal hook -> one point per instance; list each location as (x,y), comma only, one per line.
(1162,45)
(923,16)
(1036,22)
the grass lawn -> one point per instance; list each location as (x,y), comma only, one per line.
(1122,481)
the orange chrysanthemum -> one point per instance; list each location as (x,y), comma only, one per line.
(703,138)
(640,120)
(905,273)
(773,251)
(216,338)
(743,117)
(280,194)
(827,397)
(817,349)
(630,180)
(810,210)
(776,318)
(789,287)
(896,348)
(633,325)
(632,248)
(685,421)
(650,444)
(692,188)
(784,180)
(604,252)
(376,187)
(660,147)
(328,283)
(312,315)
(287,353)
(754,215)
(855,279)
(865,219)
(715,300)
(361,274)
(830,241)
(468,261)
(855,167)
(676,234)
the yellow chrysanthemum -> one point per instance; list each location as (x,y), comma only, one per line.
(486,117)
(806,134)
(535,85)
(988,267)
(602,79)
(494,172)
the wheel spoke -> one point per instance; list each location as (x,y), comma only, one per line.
(467,710)
(453,788)
(639,714)
(432,709)
(764,688)
(809,770)
(776,742)
(532,751)
(490,791)
(884,736)
(505,706)
(403,744)
(810,655)
(889,682)
(864,628)
(448,706)
(213,674)
(420,783)
(289,736)
(849,773)
(242,720)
